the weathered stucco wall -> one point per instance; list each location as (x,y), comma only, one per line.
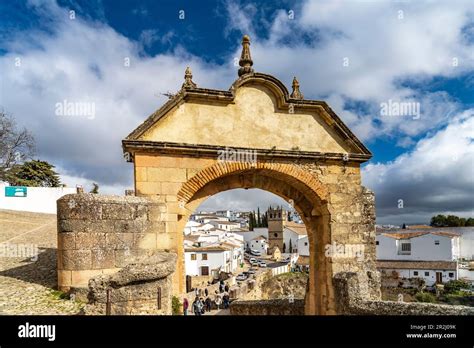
(251,121)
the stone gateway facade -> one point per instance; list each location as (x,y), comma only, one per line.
(205,141)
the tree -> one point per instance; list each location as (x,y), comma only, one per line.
(453,221)
(259,221)
(469,222)
(284,247)
(95,188)
(290,250)
(251,222)
(438,221)
(265,220)
(404,227)
(450,221)
(33,173)
(15,145)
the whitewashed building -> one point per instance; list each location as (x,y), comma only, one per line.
(430,255)
(292,233)
(303,246)
(259,244)
(225,225)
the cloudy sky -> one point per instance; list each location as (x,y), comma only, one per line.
(120,56)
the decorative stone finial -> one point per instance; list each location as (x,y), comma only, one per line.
(296,94)
(188,79)
(245,59)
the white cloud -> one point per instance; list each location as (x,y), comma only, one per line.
(381,50)
(87,62)
(84,61)
(436,177)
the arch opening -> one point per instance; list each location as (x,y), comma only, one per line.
(308,204)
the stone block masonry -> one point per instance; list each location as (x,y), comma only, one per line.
(99,235)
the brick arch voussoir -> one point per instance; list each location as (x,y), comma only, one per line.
(220,169)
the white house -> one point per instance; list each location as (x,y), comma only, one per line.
(423,246)
(212,259)
(292,233)
(430,254)
(303,246)
(225,225)
(259,244)
(431,271)
(191,227)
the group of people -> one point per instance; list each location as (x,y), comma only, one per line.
(203,304)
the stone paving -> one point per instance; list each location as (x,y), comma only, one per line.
(27,284)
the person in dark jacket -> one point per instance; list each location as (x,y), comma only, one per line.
(197,306)
(208,304)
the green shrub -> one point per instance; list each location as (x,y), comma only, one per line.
(453,286)
(425,297)
(175,306)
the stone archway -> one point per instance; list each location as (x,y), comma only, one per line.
(301,151)
(204,141)
(307,195)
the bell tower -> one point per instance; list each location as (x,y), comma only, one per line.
(276,221)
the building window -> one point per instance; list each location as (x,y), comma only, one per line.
(275,235)
(427,274)
(193,257)
(204,270)
(451,275)
(405,249)
(204,257)
(376,242)
(436,242)
(305,243)
(415,273)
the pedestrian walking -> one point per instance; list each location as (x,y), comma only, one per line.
(226,300)
(197,306)
(203,307)
(185,306)
(208,304)
(218,300)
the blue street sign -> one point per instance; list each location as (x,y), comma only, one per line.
(15,191)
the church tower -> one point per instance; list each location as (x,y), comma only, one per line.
(276,222)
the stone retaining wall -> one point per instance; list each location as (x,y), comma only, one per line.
(267,307)
(352,300)
(97,234)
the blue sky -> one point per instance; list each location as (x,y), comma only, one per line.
(353,54)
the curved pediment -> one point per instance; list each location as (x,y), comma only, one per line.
(256,112)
